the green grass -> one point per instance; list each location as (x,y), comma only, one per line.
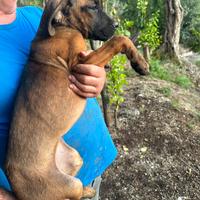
(198,116)
(198,63)
(175,104)
(158,71)
(183,81)
(166,91)
(171,74)
(192,123)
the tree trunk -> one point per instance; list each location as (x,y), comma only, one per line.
(104,96)
(174,17)
(105,105)
(146,53)
(116,120)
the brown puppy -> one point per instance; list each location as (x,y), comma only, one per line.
(39,164)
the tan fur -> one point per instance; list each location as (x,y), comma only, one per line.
(39,164)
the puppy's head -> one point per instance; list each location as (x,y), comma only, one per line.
(86,16)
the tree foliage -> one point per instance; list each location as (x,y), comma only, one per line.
(190,34)
(30,2)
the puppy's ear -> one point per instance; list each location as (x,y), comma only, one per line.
(53,7)
(54,10)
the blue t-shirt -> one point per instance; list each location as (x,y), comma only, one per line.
(89,135)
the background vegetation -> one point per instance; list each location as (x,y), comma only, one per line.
(141,15)
(146,23)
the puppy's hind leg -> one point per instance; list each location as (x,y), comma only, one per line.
(88,192)
(62,187)
(68,161)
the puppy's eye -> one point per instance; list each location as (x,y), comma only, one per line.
(89,8)
(92,7)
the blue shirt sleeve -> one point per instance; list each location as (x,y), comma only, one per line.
(15,42)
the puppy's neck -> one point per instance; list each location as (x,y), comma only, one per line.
(66,43)
(60,32)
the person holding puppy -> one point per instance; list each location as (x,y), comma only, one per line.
(89,135)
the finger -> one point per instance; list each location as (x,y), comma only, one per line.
(85,53)
(85,80)
(83,87)
(81,93)
(88,69)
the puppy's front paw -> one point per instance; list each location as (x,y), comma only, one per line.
(141,67)
(88,192)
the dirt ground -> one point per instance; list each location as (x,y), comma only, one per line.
(158,143)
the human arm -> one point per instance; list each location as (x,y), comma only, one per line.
(87,80)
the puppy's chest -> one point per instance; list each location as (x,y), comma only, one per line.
(49,95)
(47,87)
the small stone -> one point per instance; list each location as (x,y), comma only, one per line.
(125,148)
(143,149)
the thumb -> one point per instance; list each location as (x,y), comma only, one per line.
(83,54)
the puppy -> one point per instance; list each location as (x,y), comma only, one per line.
(40,166)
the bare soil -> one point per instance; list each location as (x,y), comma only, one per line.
(158,141)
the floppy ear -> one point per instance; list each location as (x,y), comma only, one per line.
(53,10)
(53,7)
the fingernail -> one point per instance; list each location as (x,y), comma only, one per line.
(71,86)
(82,54)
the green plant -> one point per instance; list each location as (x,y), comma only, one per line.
(138,18)
(125,27)
(148,25)
(175,104)
(198,63)
(183,81)
(198,116)
(166,91)
(190,33)
(158,71)
(142,6)
(190,124)
(115,8)
(116,80)
(150,35)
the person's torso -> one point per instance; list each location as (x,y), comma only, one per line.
(15,41)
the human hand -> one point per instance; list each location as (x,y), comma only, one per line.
(5,195)
(87,80)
